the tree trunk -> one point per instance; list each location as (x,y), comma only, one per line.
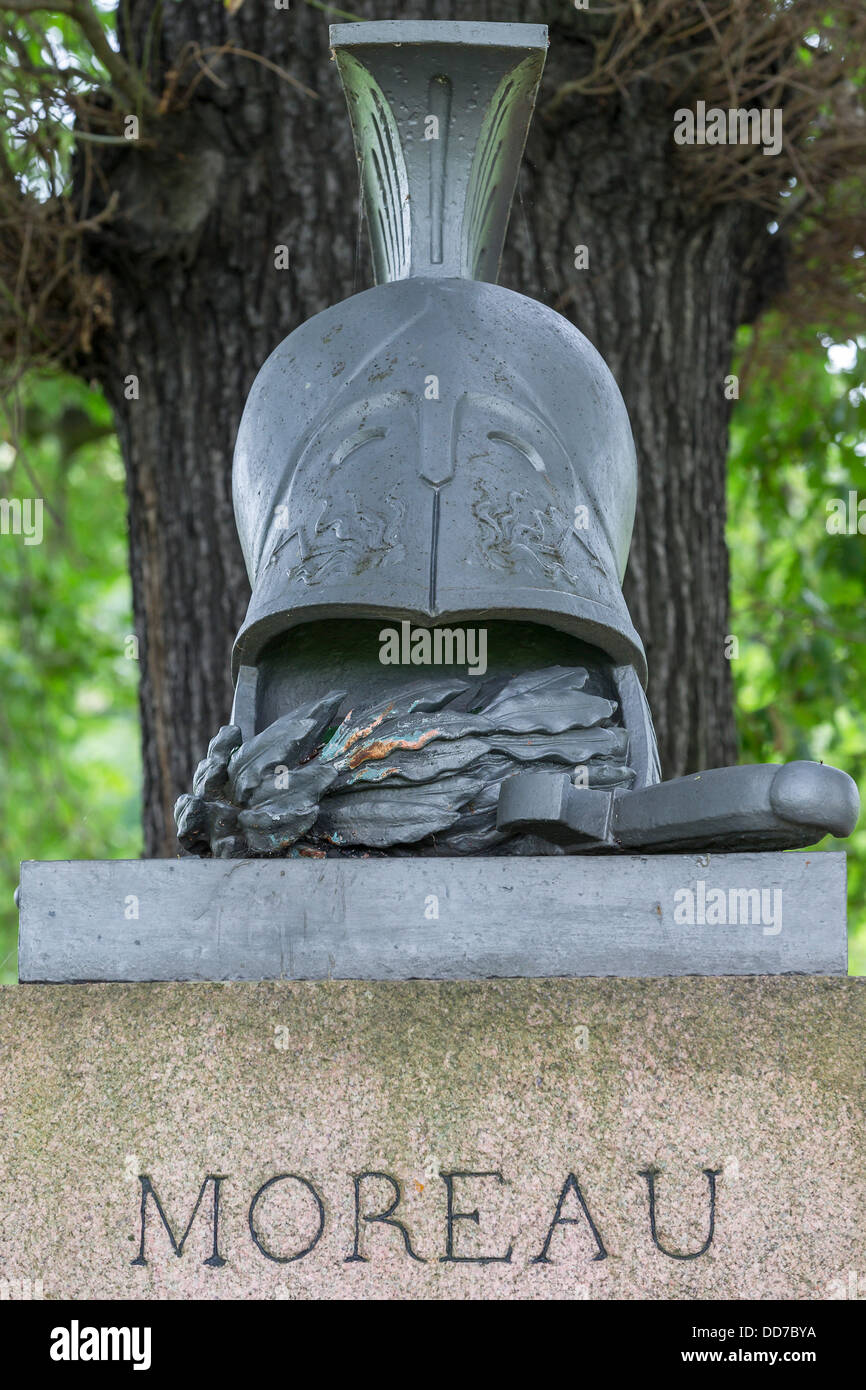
(252,164)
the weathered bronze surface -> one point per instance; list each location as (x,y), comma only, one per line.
(444,456)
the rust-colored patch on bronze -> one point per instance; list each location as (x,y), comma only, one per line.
(353,737)
(383,746)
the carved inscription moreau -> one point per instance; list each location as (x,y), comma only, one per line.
(463,1191)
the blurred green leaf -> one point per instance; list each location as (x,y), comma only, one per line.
(798,440)
(69,739)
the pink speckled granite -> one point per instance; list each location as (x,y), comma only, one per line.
(761,1078)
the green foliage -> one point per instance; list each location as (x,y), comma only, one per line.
(46,67)
(798,441)
(69,740)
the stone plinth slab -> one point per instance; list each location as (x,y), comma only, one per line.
(698,1138)
(721,914)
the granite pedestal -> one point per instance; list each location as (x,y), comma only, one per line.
(330,1134)
(655,1139)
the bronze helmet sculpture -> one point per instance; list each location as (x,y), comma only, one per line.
(446,456)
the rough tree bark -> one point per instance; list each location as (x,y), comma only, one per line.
(252,163)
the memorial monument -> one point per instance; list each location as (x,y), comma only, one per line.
(452,458)
(440,775)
